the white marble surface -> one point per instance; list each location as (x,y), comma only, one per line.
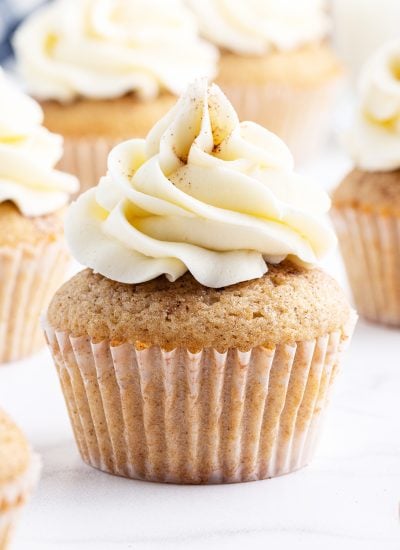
(347,499)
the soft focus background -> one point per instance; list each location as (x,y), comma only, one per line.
(11,13)
(360,26)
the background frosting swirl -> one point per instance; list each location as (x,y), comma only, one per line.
(106,48)
(255,26)
(374,141)
(28,154)
(202,193)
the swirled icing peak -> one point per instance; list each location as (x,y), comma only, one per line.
(253,27)
(203,193)
(107,48)
(374,141)
(28,154)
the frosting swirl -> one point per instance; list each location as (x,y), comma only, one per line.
(28,154)
(253,27)
(107,48)
(202,193)
(374,141)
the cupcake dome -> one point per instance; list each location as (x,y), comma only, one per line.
(377,192)
(288,304)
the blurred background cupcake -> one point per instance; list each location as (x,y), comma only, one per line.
(367,202)
(19,473)
(33,259)
(106,70)
(276,65)
(202,344)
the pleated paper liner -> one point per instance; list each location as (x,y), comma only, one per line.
(370,245)
(29,276)
(204,417)
(86,158)
(299,116)
(13,498)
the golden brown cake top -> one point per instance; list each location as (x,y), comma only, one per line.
(15,228)
(15,454)
(121,118)
(303,67)
(369,191)
(288,304)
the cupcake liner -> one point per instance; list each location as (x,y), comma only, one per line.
(13,496)
(29,276)
(86,158)
(370,245)
(299,116)
(207,417)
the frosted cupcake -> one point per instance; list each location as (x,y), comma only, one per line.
(106,70)
(367,203)
(275,65)
(19,473)
(33,195)
(200,345)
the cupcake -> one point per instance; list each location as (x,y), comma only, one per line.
(19,473)
(200,345)
(33,195)
(105,70)
(276,66)
(367,202)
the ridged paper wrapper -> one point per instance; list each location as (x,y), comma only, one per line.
(370,246)
(29,276)
(206,417)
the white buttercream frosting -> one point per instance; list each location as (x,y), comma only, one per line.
(374,141)
(107,48)
(202,193)
(28,154)
(256,26)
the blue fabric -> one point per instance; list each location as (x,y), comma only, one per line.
(12,13)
